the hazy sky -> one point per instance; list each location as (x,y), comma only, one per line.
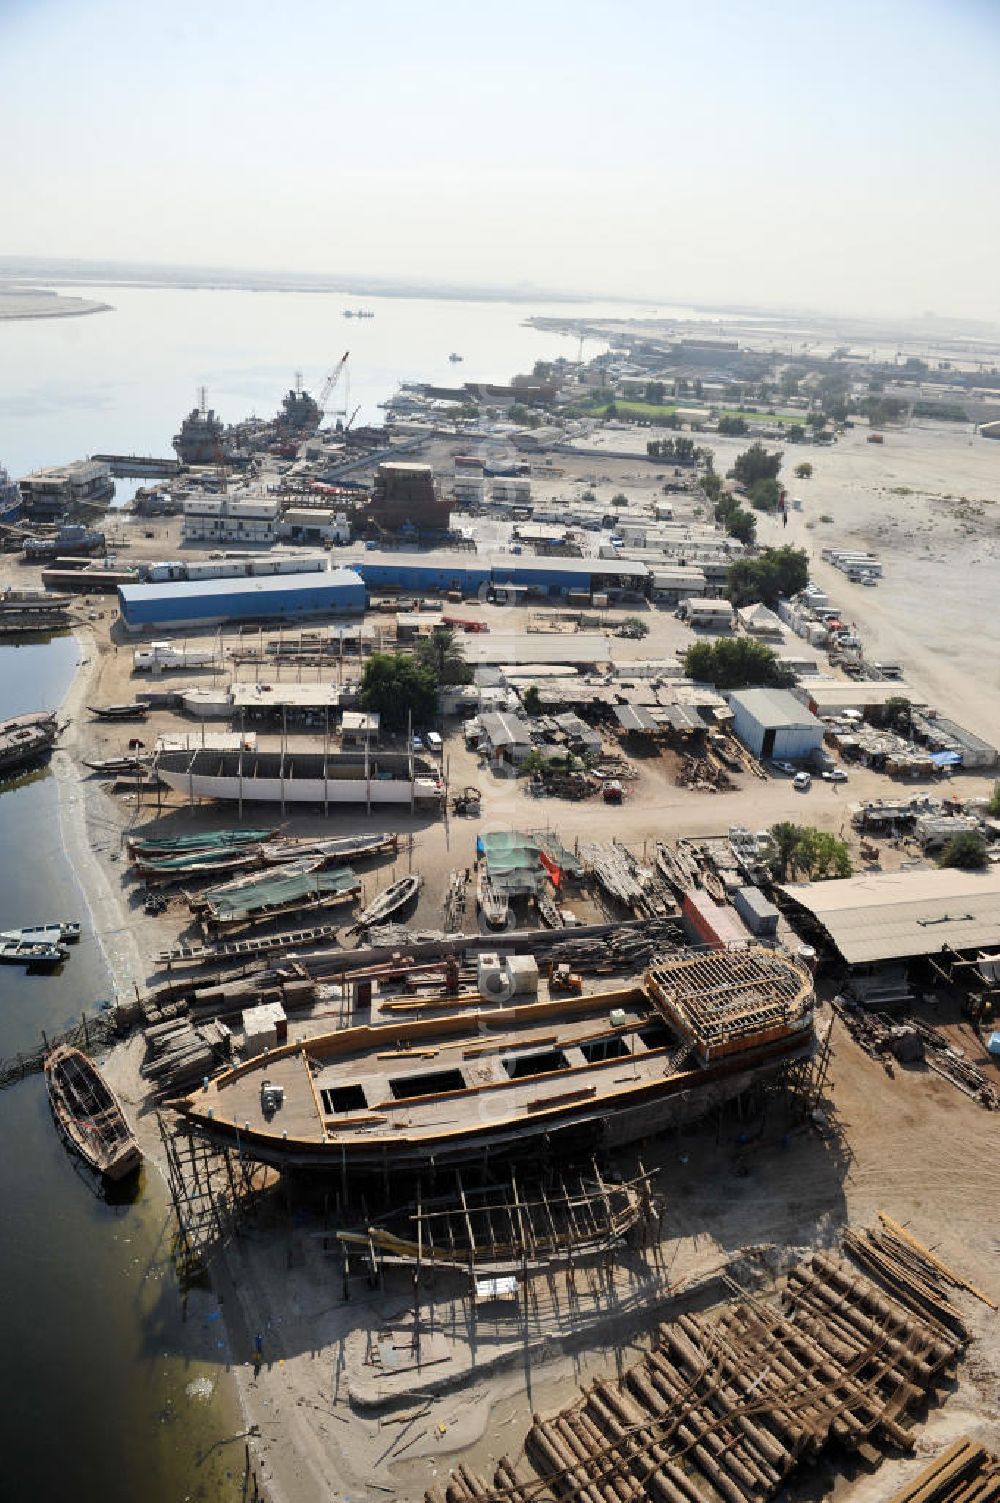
(773,151)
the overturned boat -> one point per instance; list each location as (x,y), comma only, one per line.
(598,1070)
(299,777)
(88,1115)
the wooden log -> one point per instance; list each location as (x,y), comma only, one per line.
(718,1429)
(766,1446)
(619,1408)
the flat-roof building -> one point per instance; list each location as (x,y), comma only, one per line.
(213,602)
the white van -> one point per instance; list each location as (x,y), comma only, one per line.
(434,742)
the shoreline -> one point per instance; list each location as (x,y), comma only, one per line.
(80,828)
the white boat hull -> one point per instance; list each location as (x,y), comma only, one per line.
(302,790)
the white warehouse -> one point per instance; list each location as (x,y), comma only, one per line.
(773,723)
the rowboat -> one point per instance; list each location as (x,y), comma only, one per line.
(198,863)
(131,711)
(337,848)
(88,1114)
(388,902)
(118,764)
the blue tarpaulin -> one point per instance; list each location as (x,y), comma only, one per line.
(994,1043)
(946,759)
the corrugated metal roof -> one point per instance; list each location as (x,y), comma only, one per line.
(895,915)
(257,584)
(772,708)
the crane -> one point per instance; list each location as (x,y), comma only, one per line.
(350,420)
(329,386)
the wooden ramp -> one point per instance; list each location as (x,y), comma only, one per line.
(246,949)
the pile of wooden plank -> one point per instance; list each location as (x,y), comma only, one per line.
(729,1405)
(963,1473)
(178,1054)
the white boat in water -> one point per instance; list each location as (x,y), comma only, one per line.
(301,777)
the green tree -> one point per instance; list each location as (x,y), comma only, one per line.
(736,663)
(785,837)
(637,627)
(764,495)
(967,850)
(654,393)
(756,463)
(394,684)
(532,700)
(711,484)
(442,653)
(804,470)
(732,427)
(820,854)
(620,499)
(773,573)
(742,525)
(896,713)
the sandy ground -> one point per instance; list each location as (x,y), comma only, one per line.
(912,1145)
(33,302)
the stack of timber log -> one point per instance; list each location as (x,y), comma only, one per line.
(729,1405)
(179,1054)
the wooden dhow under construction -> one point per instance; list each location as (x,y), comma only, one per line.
(603,1069)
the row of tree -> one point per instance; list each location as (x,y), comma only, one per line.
(736,663)
(674,450)
(403,686)
(774,573)
(802,851)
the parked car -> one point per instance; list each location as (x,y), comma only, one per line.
(786,768)
(434,742)
(417,742)
(835,775)
(802,781)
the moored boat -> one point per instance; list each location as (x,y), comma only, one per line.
(60,931)
(26,952)
(25,739)
(88,1113)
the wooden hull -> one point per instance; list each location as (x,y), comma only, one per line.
(88,1115)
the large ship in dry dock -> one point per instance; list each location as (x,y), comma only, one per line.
(300,777)
(606,1068)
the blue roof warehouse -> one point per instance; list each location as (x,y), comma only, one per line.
(207,602)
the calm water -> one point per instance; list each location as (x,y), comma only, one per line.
(121,382)
(94,1401)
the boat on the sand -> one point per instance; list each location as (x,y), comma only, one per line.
(131,711)
(88,1113)
(396,896)
(493,904)
(336,848)
(204,840)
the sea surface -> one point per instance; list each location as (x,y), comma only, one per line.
(100,1398)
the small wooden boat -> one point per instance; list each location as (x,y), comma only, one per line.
(388,902)
(205,840)
(131,711)
(60,932)
(337,848)
(493,905)
(88,1115)
(111,765)
(196,864)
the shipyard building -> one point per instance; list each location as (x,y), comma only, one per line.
(209,602)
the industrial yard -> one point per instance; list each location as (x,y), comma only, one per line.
(530,1105)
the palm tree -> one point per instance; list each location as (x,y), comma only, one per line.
(442,652)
